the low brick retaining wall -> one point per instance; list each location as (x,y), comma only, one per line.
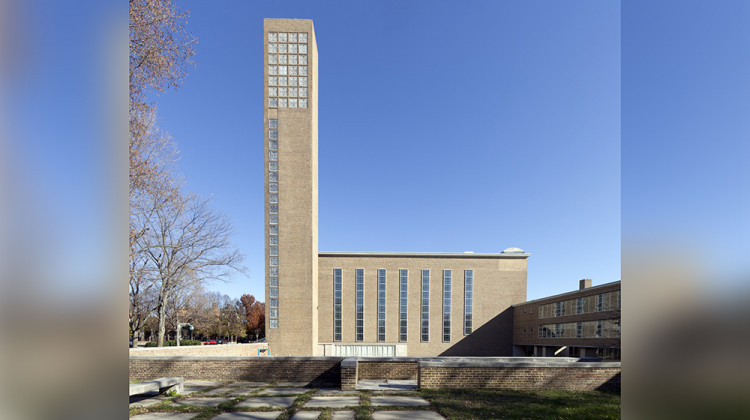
(218,350)
(445,372)
(316,371)
(387,368)
(523,374)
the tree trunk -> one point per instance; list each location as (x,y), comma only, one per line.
(162,327)
(136,335)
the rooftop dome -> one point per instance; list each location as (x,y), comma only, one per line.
(513,251)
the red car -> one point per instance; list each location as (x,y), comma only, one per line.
(205,343)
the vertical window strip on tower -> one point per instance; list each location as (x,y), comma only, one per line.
(360,304)
(337,304)
(403,300)
(425,305)
(446,306)
(273,223)
(381,304)
(468,300)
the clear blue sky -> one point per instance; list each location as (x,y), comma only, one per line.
(444,126)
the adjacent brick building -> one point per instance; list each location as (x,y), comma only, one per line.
(583,323)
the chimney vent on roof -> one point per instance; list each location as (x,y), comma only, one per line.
(584,284)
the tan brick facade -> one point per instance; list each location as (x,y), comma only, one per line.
(297,202)
(498,282)
(299,287)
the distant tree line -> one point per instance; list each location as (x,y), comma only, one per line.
(214,317)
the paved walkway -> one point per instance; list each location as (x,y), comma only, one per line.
(259,400)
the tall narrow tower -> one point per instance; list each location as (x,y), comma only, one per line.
(291,150)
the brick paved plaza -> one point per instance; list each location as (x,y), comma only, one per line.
(258,400)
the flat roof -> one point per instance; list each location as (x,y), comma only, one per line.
(426,254)
(579,291)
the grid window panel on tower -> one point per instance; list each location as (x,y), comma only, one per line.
(359,284)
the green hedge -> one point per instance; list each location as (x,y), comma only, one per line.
(172,343)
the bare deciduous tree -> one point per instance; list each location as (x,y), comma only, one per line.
(186,242)
(160,54)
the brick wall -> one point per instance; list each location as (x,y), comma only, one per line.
(219,350)
(317,371)
(387,370)
(503,373)
(349,374)
(583,378)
